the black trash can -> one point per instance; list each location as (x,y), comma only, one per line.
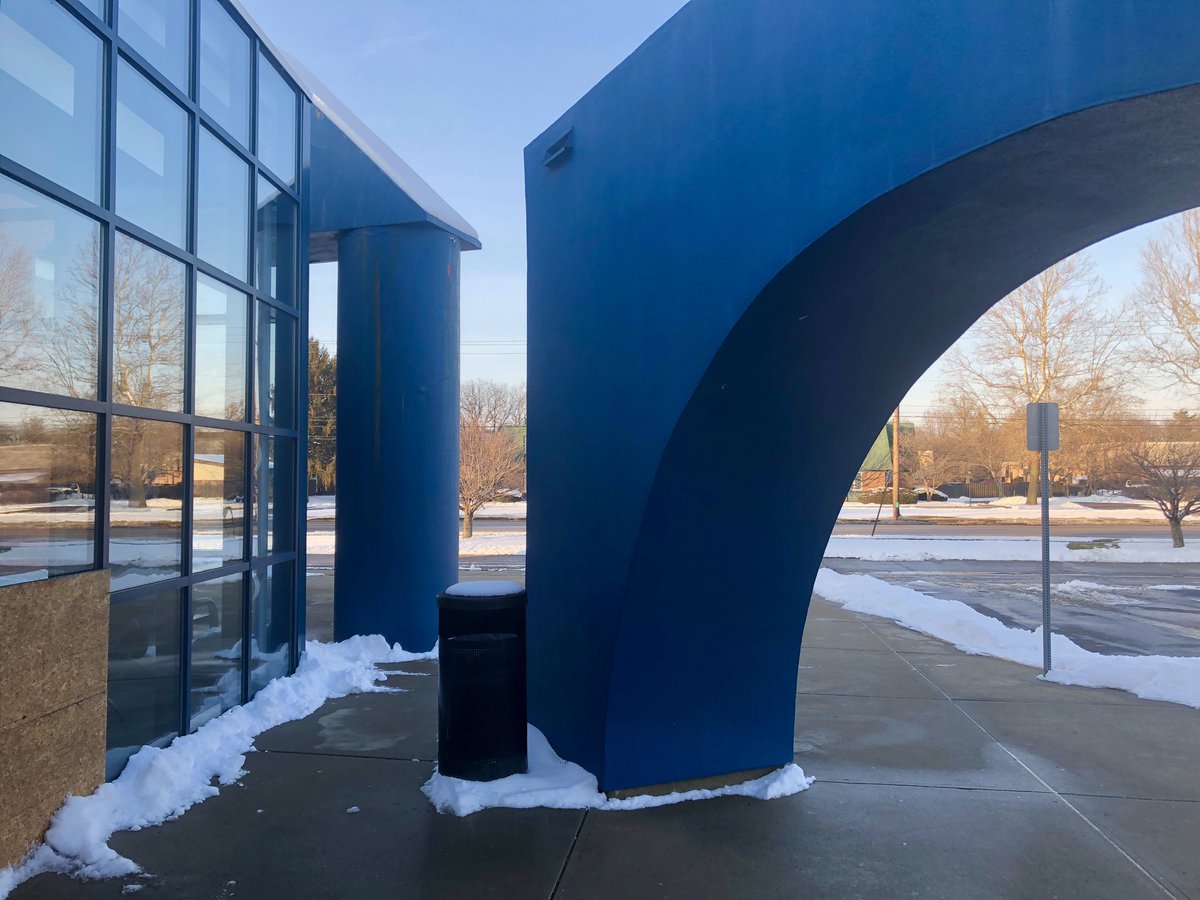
(481,687)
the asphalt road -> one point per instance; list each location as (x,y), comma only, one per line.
(1113,608)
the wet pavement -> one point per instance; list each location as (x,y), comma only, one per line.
(939,775)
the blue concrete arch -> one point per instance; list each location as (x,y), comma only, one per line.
(744,245)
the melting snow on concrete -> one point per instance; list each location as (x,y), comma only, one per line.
(557,784)
(162,784)
(1172,678)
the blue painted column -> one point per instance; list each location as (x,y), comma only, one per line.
(397,453)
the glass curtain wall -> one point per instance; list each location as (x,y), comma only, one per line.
(150,366)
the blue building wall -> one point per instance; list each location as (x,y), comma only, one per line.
(762,227)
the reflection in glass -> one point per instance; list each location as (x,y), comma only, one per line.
(47,492)
(271,594)
(223,198)
(275,242)
(143,675)
(218,508)
(225,71)
(216,648)
(276,122)
(145,532)
(220,350)
(49,294)
(152,138)
(51,76)
(275,368)
(148,327)
(159,30)
(273,502)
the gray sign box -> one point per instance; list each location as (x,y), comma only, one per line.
(1033,415)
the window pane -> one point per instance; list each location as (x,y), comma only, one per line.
(218,514)
(274,498)
(160,31)
(276,122)
(275,243)
(220,350)
(145,533)
(49,294)
(152,137)
(148,327)
(224,200)
(51,76)
(216,648)
(275,368)
(225,71)
(272,595)
(143,676)
(47,492)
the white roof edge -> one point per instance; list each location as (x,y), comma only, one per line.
(389,162)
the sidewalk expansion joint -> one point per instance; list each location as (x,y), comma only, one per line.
(937,787)
(1071,806)
(570,852)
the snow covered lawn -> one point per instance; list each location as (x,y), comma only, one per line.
(161,784)
(1140,550)
(1172,678)
(324,506)
(1014,510)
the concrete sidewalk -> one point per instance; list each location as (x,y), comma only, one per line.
(938,775)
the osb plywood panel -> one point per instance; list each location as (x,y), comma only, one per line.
(53,644)
(53,697)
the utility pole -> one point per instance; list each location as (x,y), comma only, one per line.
(896,466)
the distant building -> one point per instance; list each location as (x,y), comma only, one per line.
(875,471)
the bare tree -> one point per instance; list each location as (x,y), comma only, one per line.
(491,418)
(1170,471)
(1167,304)
(16,307)
(930,456)
(1047,341)
(983,445)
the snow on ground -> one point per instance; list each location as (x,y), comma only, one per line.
(161,784)
(557,784)
(1014,510)
(506,543)
(1010,510)
(324,506)
(1029,549)
(1172,678)
(1141,550)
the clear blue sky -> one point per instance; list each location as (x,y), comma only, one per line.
(458,88)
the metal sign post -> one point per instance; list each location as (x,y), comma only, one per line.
(1041,434)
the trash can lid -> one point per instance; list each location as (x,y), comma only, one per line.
(482,595)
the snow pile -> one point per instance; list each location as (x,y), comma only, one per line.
(1172,678)
(161,784)
(998,548)
(554,783)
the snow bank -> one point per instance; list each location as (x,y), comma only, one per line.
(162,784)
(999,548)
(1172,678)
(554,783)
